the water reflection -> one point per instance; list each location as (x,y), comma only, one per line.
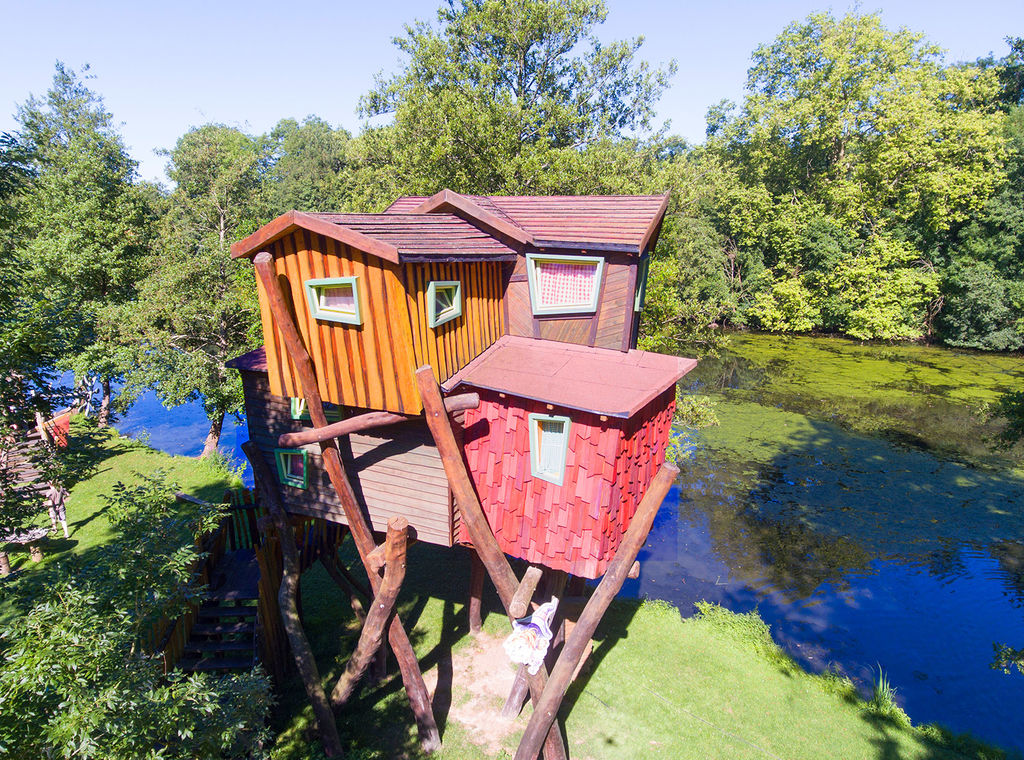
(860,551)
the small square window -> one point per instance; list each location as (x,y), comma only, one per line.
(292,467)
(332,412)
(444,301)
(549,446)
(335,299)
(564,284)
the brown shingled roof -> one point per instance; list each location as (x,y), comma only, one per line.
(599,380)
(254,361)
(399,239)
(597,222)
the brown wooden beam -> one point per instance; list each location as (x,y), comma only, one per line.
(301,650)
(520,603)
(545,710)
(476,591)
(484,542)
(358,524)
(372,635)
(367,421)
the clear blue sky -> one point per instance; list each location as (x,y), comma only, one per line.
(165,66)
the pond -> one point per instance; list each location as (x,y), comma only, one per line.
(851,496)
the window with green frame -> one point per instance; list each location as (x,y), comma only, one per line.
(334,299)
(444,301)
(549,446)
(332,412)
(292,467)
(641,283)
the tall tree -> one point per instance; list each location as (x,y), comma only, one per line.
(86,228)
(862,135)
(311,168)
(196,306)
(503,97)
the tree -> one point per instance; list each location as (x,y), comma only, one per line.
(74,669)
(871,151)
(311,168)
(196,307)
(503,97)
(86,228)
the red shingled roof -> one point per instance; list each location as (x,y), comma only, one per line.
(598,380)
(597,222)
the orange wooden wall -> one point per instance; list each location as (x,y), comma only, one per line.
(369,366)
(451,346)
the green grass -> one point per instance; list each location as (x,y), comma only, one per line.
(102,458)
(657,686)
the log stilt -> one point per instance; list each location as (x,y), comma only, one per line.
(287,594)
(358,524)
(476,591)
(372,635)
(331,566)
(545,709)
(553,584)
(484,542)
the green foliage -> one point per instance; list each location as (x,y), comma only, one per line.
(312,166)
(73,665)
(86,228)
(1008,658)
(196,306)
(883,701)
(505,98)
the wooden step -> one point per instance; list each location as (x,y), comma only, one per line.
(220,646)
(227,611)
(193,665)
(221,629)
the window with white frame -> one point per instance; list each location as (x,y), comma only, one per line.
(444,301)
(549,446)
(334,299)
(564,284)
(292,467)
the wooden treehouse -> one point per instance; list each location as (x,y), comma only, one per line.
(465,366)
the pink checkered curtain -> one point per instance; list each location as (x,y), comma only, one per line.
(562,284)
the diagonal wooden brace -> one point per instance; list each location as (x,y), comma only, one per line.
(358,524)
(473,517)
(545,709)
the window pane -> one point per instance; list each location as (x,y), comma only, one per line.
(551,440)
(295,466)
(338,298)
(443,299)
(565,284)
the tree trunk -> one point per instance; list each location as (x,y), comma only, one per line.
(5,564)
(213,437)
(103,419)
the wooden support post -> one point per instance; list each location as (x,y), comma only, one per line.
(553,585)
(520,604)
(358,524)
(476,591)
(473,517)
(372,635)
(331,566)
(367,421)
(545,710)
(301,649)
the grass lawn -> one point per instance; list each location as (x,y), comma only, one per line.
(656,686)
(102,459)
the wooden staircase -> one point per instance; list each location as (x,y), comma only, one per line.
(223,636)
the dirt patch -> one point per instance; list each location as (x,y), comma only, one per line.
(481,680)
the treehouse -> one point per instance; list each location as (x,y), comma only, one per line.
(530,302)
